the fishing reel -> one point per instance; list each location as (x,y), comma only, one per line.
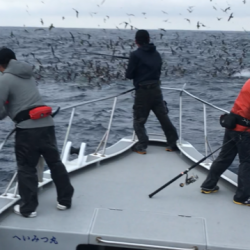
(189,180)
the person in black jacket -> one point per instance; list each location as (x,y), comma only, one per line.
(144,68)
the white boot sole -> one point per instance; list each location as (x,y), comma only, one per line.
(17,211)
(61,207)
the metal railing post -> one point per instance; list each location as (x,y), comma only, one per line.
(205,128)
(180,118)
(68,131)
(210,149)
(109,127)
(10,183)
(16,189)
(133,136)
(100,144)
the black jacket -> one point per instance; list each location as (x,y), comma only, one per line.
(144,64)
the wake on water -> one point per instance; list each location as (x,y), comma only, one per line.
(244,73)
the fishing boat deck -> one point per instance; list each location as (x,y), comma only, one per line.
(111,201)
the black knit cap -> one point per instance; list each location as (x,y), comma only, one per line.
(142,37)
(6,55)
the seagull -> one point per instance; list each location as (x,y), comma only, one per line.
(51,26)
(41,21)
(52,50)
(230,17)
(92,13)
(228,8)
(77,13)
(73,38)
(39,30)
(187,20)
(125,24)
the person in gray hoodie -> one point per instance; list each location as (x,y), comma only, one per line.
(19,95)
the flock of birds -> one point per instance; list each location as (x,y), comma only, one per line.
(69,55)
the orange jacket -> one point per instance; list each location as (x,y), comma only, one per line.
(242,105)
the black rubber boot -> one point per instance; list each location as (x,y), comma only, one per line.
(209,191)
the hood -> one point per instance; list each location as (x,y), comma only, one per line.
(148,47)
(19,69)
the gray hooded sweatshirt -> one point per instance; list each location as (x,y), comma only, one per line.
(18,89)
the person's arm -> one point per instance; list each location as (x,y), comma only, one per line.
(132,64)
(4,93)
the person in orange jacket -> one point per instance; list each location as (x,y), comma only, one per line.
(236,141)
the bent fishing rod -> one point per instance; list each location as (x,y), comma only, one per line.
(113,56)
(58,109)
(188,180)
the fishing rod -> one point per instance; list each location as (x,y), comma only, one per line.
(57,111)
(7,137)
(188,180)
(113,56)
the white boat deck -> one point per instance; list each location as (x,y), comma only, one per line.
(111,201)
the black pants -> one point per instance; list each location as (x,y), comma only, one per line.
(240,144)
(29,145)
(147,99)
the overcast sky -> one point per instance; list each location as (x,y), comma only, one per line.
(147,14)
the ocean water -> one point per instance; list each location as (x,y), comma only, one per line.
(214,66)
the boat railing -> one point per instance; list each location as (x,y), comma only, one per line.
(104,140)
(105,137)
(205,104)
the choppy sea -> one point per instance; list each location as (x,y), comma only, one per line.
(214,66)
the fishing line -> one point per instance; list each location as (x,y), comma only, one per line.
(100,54)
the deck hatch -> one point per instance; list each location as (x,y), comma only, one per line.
(142,227)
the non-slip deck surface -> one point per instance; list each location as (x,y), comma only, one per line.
(123,184)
